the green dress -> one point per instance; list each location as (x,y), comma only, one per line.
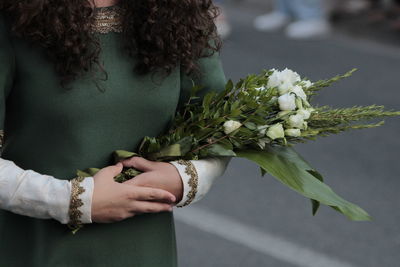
(55,131)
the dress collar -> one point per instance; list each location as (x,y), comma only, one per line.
(108,19)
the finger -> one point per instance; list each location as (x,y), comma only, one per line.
(150,207)
(113,170)
(152,194)
(139,163)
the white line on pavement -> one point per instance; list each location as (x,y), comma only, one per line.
(260,241)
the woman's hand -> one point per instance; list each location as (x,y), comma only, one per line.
(157,175)
(114,201)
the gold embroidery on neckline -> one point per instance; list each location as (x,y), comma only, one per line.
(108,19)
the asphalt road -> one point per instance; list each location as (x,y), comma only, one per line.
(246,220)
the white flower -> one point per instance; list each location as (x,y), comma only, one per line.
(298,90)
(262,142)
(274,79)
(285,87)
(283,80)
(293,132)
(290,76)
(305,113)
(262,88)
(296,121)
(230,126)
(287,102)
(306,83)
(276,131)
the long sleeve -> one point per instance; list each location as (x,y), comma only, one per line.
(32,194)
(27,192)
(198,176)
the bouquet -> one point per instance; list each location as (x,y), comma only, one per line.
(260,119)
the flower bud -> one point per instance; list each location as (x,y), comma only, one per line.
(276,131)
(306,83)
(305,113)
(299,103)
(299,92)
(296,121)
(262,142)
(230,126)
(293,132)
(283,113)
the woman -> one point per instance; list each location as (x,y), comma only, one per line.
(79,80)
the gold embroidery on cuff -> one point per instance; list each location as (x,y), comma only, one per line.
(108,19)
(193,181)
(74,213)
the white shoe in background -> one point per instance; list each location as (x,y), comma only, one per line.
(308,29)
(271,21)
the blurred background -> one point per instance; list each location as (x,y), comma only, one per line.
(249,220)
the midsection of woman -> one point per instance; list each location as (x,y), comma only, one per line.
(55,131)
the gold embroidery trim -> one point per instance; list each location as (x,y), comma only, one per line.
(1,138)
(193,181)
(108,19)
(75,203)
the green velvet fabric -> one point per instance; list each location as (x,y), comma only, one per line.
(55,131)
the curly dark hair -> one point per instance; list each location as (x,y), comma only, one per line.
(161,34)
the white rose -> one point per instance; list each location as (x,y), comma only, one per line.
(230,126)
(293,132)
(305,113)
(296,121)
(290,76)
(287,102)
(299,92)
(283,80)
(276,131)
(274,79)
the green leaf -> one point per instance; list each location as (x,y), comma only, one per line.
(229,85)
(220,150)
(289,168)
(250,125)
(315,204)
(195,89)
(263,172)
(82,173)
(178,149)
(122,154)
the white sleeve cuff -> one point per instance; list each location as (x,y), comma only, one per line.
(86,197)
(198,176)
(29,193)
